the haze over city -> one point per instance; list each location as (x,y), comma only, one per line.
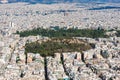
(63,1)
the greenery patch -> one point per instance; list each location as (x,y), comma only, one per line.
(64,32)
(56,45)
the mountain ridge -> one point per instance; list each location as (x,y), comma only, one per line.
(58,1)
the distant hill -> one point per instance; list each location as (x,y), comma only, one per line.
(57,1)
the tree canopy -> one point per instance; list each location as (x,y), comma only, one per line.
(64,32)
(55,46)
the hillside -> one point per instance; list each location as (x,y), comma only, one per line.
(57,1)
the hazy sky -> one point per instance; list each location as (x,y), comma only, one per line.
(47,1)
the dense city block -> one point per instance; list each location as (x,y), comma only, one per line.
(60,41)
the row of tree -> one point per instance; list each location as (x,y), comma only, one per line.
(64,33)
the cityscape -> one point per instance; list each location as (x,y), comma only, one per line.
(59,40)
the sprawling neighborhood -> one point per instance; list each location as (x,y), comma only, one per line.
(101,62)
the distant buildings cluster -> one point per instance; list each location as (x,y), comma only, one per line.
(27,16)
